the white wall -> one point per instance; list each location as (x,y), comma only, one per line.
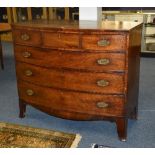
(90,13)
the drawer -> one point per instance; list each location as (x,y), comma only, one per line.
(109,105)
(60,40)
(104,42)
(91,61)
(71,80)
(27,37)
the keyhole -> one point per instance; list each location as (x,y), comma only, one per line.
(59,36)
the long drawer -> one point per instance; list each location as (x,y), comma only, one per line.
(110,105)
(72,80)
(92,61)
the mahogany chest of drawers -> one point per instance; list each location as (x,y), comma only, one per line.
(79,70)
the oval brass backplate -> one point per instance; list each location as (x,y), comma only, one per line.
(102,104)
(29,92)
(102,83)
(25,37)
(103,61)
(28,72)
(103,42)
(26,54)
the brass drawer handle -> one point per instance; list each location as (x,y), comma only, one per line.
(28,72)
(29,92)
(102,105)
(103,42)
(25,37)
(26,54)
(102,83)
(103,61)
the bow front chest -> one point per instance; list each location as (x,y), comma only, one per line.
(79,70)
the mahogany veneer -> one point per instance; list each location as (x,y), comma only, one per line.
(79,70)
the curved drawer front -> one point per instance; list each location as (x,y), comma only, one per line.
(60,40)
(27,37)
(109,105)
(72,80)
(104,42)
(91,61)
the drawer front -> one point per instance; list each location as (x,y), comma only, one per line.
(91,61)
(104,42)
(109,105)
(60,40)
(72,80)
(27,37)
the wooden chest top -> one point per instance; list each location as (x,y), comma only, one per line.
(79,25)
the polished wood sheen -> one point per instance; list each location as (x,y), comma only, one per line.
(61,40)
(61,99)
(27,37)
(71,80)
(92,42)
(79,70)
(79,60)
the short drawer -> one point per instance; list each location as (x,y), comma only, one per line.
(108,105)
(108,83)
(104,42)
(27,37)
(91,61)
(60,40)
